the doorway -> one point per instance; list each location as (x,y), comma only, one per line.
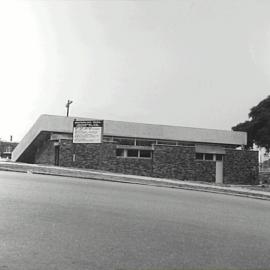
(219,171)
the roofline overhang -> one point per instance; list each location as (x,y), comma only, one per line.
(61,124)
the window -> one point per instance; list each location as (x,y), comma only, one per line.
(167,142)
(205,156)
(199,156)
(124,141)
(132,153)
(144,142)
(133,148)
(120,152)
(219,157)
(209,157)
(8,149)
(145,154)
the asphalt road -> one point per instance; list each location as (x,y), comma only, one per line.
(51,222)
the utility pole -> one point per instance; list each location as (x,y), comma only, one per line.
(67,106)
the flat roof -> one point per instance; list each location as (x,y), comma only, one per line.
(63,124)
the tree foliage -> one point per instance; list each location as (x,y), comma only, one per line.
(258,125)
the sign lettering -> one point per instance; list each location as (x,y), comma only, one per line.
(87,131)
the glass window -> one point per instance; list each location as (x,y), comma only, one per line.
(209,156)
(124,141)
(144,142)
(199,156)
(8,149)
(219,157)
(145,154)
(120,152)
(167,142)
(132,153)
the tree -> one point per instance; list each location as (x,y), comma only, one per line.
(258,125)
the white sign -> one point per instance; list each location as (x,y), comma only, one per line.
(87,131)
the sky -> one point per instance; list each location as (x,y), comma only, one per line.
(186,62)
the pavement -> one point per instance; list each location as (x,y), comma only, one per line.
(236,190)
(55,223)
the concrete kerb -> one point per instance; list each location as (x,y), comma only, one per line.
(131,179)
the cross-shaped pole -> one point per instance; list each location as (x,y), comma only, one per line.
(67,106)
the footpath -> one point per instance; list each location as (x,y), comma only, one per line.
(237,190)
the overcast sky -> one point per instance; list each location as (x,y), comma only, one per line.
(190,63)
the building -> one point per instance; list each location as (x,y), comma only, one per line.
(6,148)
(143,149)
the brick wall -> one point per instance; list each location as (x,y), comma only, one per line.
(134,166)
(109,162)
(241,167)
(205,171)
(100,157)
(109,159)
(66,153)
(87,155)
(176,162)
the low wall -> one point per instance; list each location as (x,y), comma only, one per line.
(241,167)
(205,171)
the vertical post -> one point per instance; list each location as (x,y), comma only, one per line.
(73,146)
(67,106)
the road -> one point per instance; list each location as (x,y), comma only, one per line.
(50,222)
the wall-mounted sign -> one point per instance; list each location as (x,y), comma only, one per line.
(87,131)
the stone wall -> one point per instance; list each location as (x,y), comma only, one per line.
(101,157)
(134,166)
(87,155)
(240,167)
(176,162)
(205,171)
(66,153)
(109,162)
(109,159)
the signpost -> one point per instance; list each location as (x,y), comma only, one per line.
(89,131)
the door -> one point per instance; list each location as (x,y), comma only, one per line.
(219,171)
